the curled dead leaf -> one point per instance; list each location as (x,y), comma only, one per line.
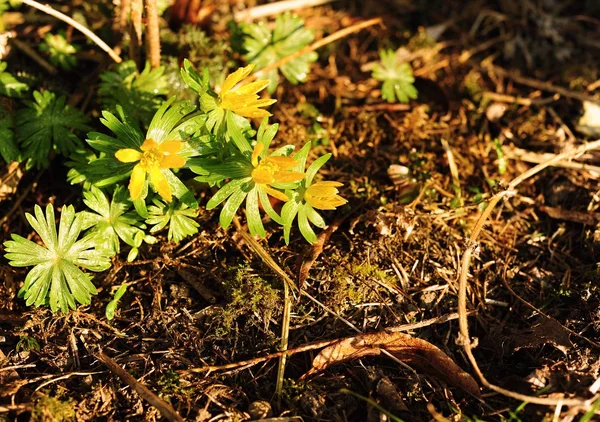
(418,353)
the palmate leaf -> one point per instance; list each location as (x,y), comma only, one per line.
(110,220)
(9,85)
(139,94)
(61,52)
(265,47)
(8,147)
(56,278)
(46,124)
(176,215)
(397,78)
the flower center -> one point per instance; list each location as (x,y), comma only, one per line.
(151,158)
(264,173)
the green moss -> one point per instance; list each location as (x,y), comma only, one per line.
(52,409)
(248,296)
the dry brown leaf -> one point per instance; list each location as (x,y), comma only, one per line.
(416,352)
(9,180)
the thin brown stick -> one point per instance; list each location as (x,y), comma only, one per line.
(464,335)
(318,44)
(34,55)
(153,41)
(541,85)
(313,346)
(276,8)
(165,408)
(61,16)
(255,361)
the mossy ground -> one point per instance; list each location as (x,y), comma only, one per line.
(395,257)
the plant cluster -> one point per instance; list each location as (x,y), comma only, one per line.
(138,178)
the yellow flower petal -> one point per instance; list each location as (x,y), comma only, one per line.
(282,162)
(288,176)
(275,193)
(235,78)
(327,203)
(170,147)
(172,162)
(252,88)
(323,195)
(258,149)
(148,145)
(128,155)
(136,183)
(160,184)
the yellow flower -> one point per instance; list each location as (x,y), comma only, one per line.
(273,170)
(152,158)
(324,195)
(244,100)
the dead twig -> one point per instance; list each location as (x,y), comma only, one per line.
(61,16)
(313,346)
(515,153)
(153,41)
(34,56)
(464,336)
(276,8)
(541,85)
(164,408)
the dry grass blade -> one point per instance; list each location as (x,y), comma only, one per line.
(50,11)
(165,408)
(464,272)
(414,351)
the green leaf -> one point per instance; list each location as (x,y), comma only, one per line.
(61,52)
(304,225)
(288,214)
(46,124)
(196,82)
(112,305)
(8,147)
(139,94)
(231,207)
(253,214)
(314,168)
(56,278)
(9,85)
(234,131)
(397,78)
(225,192)
(176,215)
(265,47)
(111,221)
(166,120)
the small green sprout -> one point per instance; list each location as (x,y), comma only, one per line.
(46,125)
(138,94)
(56,278)
(177,215)
(265,48)
(61,52)
(111,221)
(112,305)
(397,78)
